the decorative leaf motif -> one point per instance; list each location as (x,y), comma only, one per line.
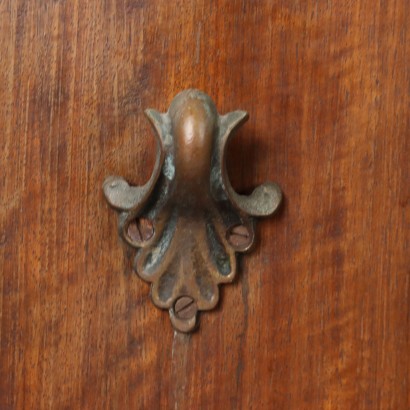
(196,221)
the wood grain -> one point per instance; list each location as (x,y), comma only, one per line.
(319,317)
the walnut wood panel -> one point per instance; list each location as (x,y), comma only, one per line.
(319,317)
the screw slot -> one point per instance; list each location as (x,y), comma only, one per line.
(185,307)
(140,230)
(239,236)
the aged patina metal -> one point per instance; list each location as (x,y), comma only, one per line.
(187,222)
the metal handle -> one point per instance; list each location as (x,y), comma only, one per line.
(187,222)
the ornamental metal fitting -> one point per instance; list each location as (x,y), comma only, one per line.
(187,222)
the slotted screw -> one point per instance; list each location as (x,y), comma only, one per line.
(185,307)
(239,236)
(140,230)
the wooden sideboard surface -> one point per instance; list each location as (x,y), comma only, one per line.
(319,316)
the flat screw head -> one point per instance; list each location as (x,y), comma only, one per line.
(140,230)
(185,307)
(239,236)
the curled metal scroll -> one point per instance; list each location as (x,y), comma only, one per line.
(187,222)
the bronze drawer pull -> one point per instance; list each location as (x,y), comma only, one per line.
(187,222)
